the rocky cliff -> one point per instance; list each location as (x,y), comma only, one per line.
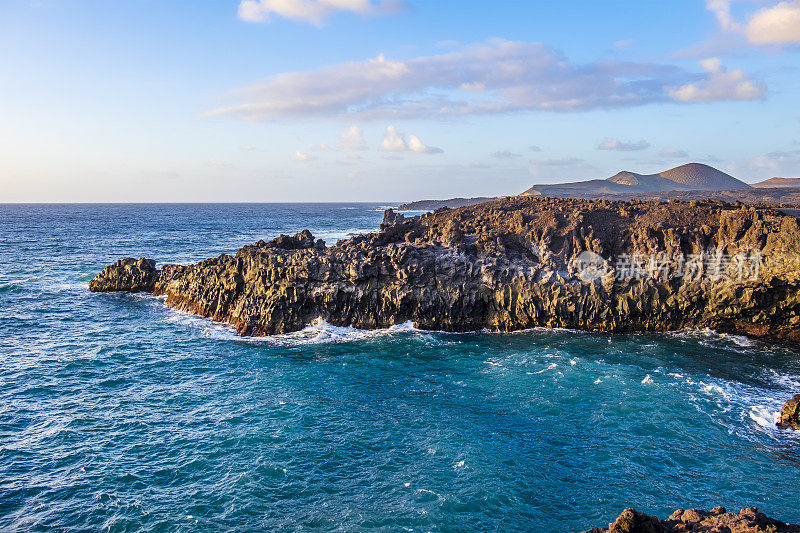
(505,265)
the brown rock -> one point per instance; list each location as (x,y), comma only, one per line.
(132,275)
(790,414)
(684,521)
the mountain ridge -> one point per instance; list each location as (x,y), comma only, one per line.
(778,183)
(688,177)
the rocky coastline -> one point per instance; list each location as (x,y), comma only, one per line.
(717,520)
(505,265)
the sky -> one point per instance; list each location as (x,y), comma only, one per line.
(386,100)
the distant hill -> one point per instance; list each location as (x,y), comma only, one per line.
(783,183)
(452,203)
(788,197)
(689,177)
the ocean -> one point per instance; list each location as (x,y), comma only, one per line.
(119,414)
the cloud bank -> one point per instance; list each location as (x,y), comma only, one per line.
(494,77)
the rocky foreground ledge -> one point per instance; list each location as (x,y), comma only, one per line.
(717,520)
(506,265)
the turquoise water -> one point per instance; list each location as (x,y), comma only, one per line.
(120,414)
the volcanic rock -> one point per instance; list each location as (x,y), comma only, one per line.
(790,414)
(132,275)
(506,265)
(718,520)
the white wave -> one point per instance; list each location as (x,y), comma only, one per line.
(318,332)
(550,367)
(740,340)
(710,337)
(787,381)
(764,416)
(711,388)
(647,379)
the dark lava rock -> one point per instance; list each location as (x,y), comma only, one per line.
(132,275)
(390,218)
(718,520)
(790,414)
(506,265)
(300,241)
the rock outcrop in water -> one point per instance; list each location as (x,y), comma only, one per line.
(507,265)
(716,520)
(790,414)
(132,275)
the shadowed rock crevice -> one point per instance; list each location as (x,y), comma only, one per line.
(506,265)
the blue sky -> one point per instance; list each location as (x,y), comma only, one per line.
(350,100)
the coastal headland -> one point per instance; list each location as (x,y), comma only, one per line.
(505,265)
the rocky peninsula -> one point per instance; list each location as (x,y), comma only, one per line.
(509,264)
(717,520)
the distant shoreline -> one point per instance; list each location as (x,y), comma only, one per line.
(452,203)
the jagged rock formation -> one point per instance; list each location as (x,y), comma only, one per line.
(717,520)
(506,265)
(132,275)
(790,414)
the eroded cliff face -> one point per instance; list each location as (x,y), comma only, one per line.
(506,265)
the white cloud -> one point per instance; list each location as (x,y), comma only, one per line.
(534,148)
(722,10)
(313,11)
(616,144)
(776,25)
(673,153)
(302,157)
(352,139)
(394,141)
(248,148)
(719,84)
(513,76)
(505,154)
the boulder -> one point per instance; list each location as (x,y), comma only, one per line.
(132,275)
(790,414)
(390,218)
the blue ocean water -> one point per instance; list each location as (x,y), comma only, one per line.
(117,413)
